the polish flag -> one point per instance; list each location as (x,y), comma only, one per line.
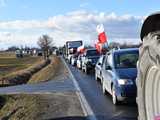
(101,34)
(98,47)
(81,49)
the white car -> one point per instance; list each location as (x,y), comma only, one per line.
(98,68)
(79,62)
(74,60)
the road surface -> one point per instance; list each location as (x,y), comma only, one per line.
(102,104)
(43,87)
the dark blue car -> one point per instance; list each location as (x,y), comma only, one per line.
(119,74)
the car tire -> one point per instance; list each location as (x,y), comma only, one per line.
(148,85)
(114,97)
(86,70)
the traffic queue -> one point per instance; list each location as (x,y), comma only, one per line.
(116,69)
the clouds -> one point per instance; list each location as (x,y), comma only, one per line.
(83,25)
(30,24)
(74,26)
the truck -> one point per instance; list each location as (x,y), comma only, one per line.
(148,78)
(71,48)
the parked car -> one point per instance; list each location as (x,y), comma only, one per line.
(79,62)
(89,60)
(119,74)
(98,68)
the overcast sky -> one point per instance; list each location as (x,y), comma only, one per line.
(22,22)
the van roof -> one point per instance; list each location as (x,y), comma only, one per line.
(127,49)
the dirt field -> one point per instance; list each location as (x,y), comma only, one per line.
(9,63)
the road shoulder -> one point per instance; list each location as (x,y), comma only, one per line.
(43,105)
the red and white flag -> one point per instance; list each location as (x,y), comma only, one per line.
(98,47)
(102,38)
(81,49)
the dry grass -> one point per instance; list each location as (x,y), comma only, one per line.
(7,54)
(18,70)
(40,106)
(18,107)
(9,63)
(22,76)
(48,72)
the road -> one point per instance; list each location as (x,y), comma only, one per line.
(43,87)
(102,104)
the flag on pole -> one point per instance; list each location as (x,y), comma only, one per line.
(102,38)
(98,46)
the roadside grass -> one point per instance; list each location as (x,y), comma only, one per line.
(48,72)
(15,71)
(9,63)
(19,106)
(40,106)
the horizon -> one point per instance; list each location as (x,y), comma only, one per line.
(23,22)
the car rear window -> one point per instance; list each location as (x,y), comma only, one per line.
(126,59)
(92,53)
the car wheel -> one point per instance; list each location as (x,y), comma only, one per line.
(114,97)
(86,70)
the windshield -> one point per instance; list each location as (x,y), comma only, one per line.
(92,53)
(74,44)
(126,60)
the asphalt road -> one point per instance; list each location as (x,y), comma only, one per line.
(43,87)
(102,104)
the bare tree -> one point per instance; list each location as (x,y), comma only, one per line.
(45,43)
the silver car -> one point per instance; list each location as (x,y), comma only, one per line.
(119,73)
(98,68)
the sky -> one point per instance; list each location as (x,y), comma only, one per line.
(22,22)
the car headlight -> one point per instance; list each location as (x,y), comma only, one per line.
(125,82)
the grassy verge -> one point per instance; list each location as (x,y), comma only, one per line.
(48,72)
(18,70)
(18,107)
(40,106)
(22,76)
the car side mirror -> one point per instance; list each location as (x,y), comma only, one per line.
(108,67)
